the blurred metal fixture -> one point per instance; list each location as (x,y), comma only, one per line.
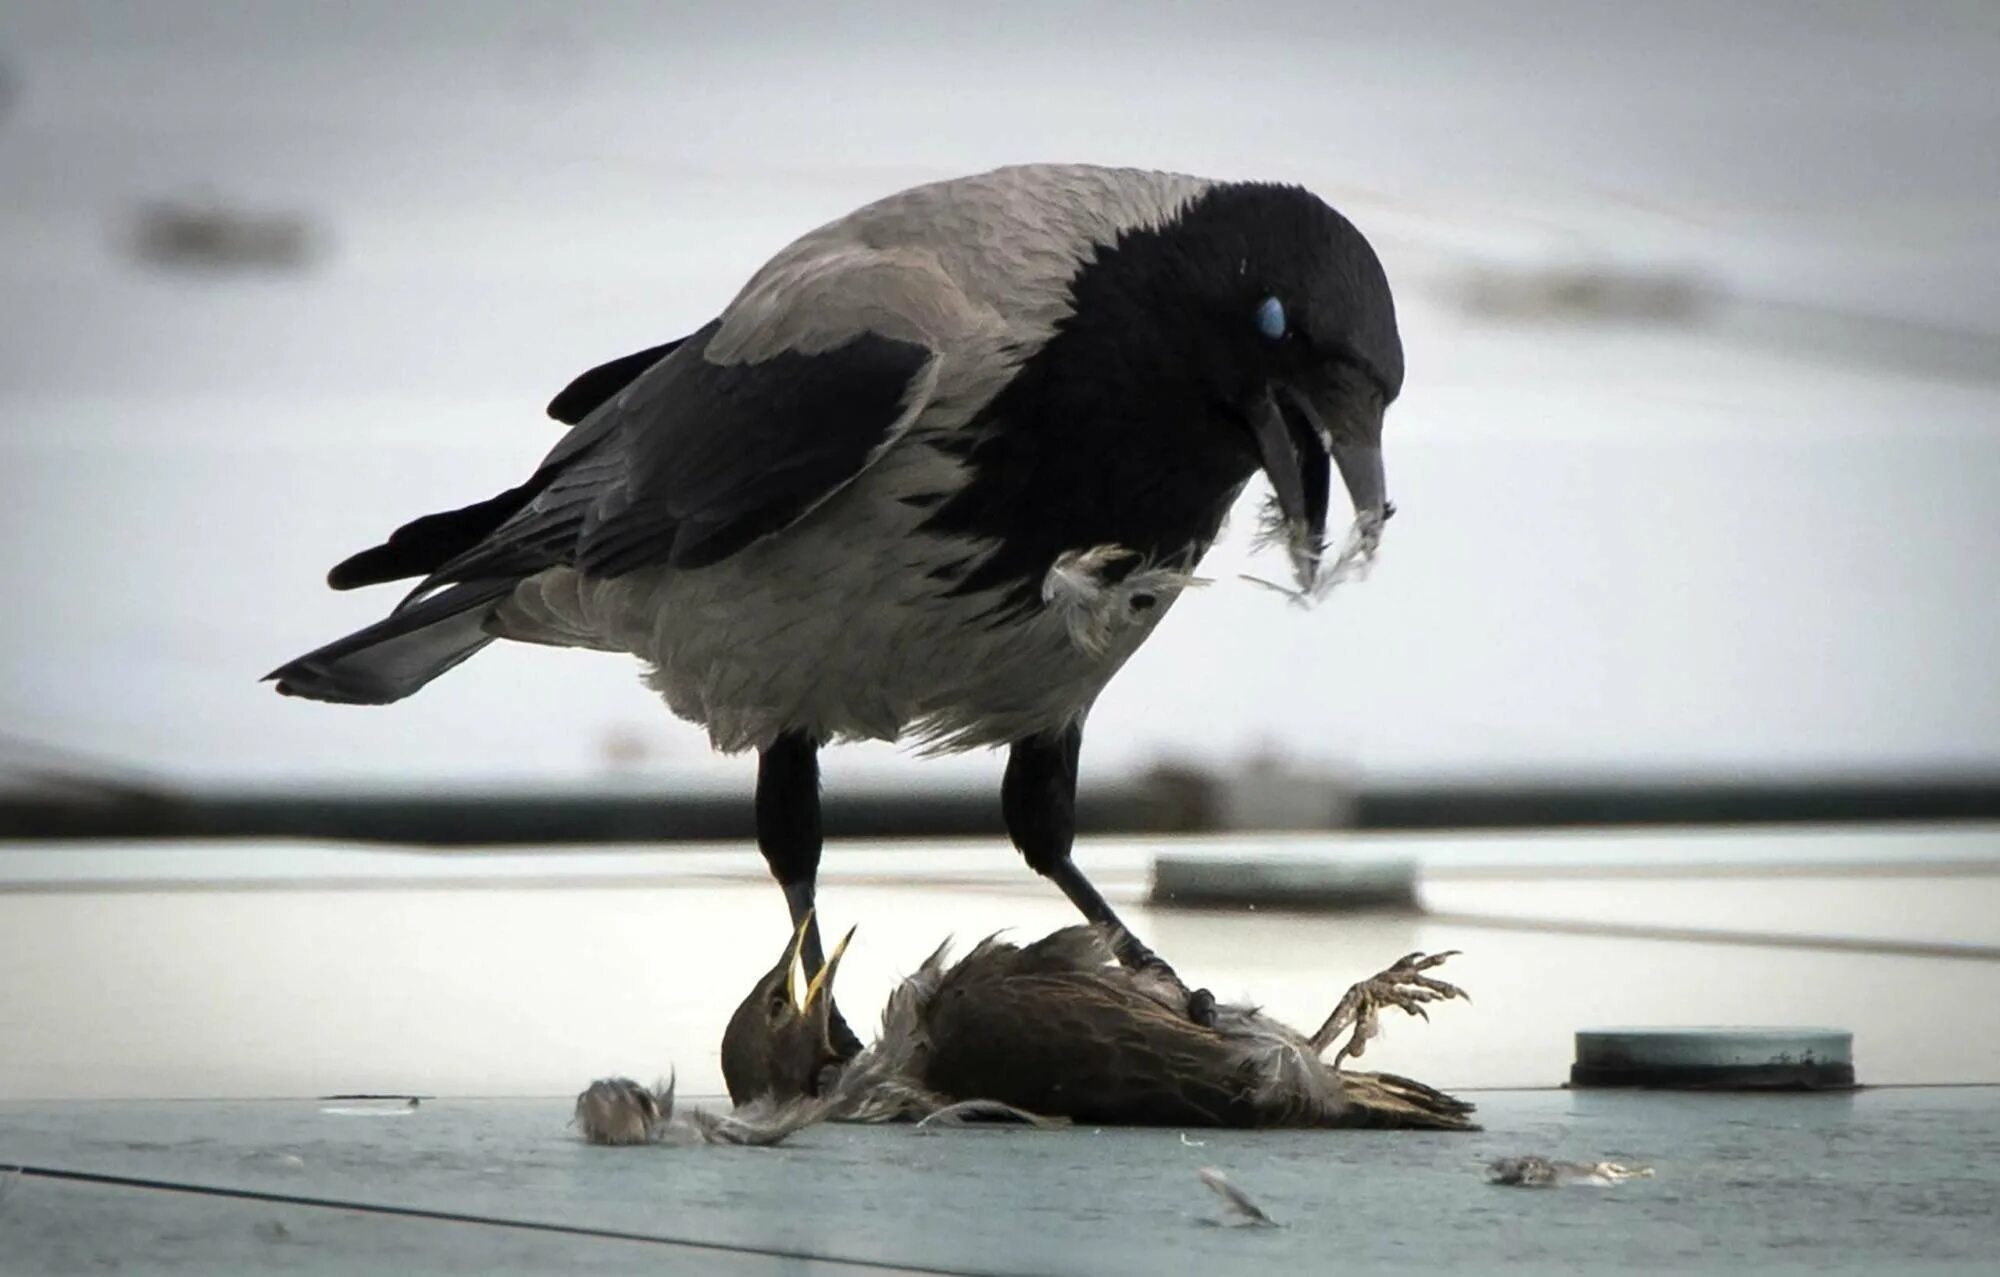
(1289,883)
(1594,292)
(210,236)
(1716,1059)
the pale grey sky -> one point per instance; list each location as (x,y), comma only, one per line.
(1766,541)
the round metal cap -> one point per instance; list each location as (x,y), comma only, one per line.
(1718,1058)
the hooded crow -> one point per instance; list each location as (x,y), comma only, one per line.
(932,476)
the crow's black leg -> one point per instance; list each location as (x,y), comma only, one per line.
(1038,799)
(788,833)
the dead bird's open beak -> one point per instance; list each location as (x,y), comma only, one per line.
(824,980)
(791,963)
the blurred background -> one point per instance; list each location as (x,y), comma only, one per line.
(1698,468)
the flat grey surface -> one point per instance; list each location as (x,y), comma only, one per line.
(49,1226)
(1884,1180)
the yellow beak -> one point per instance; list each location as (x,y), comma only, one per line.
(825,975)
(792,959)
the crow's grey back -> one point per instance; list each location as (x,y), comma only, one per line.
(976,261)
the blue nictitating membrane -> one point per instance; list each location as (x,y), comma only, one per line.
(1271,318)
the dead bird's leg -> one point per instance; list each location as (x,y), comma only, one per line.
(1403,985)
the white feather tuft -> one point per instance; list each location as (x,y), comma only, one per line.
(1316,573)
(1097,610)
(1238,1210)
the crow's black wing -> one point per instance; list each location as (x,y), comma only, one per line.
(695,460)
(589,390)
(424,545)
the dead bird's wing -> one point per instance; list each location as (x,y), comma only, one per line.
(1070,1043)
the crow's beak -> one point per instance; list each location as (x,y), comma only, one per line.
(1295,444)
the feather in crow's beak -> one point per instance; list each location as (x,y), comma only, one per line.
(1299,451)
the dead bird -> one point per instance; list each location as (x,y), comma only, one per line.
(1060,1029)
(779,1055)
(774,1053)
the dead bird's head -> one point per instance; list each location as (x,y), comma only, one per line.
(778,1044)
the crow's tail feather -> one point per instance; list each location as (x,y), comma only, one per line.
(424,545)
(399,654)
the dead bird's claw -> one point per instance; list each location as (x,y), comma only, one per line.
(1403,986)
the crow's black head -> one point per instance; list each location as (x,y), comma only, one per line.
(1270,309)
(1251,329)
(1252,283)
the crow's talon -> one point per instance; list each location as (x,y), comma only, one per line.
(1201,1008)
(1171,991)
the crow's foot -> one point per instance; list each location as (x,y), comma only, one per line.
(1173,993)
(845,1044)
(1168,987)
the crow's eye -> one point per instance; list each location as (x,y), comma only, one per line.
(1271,319)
